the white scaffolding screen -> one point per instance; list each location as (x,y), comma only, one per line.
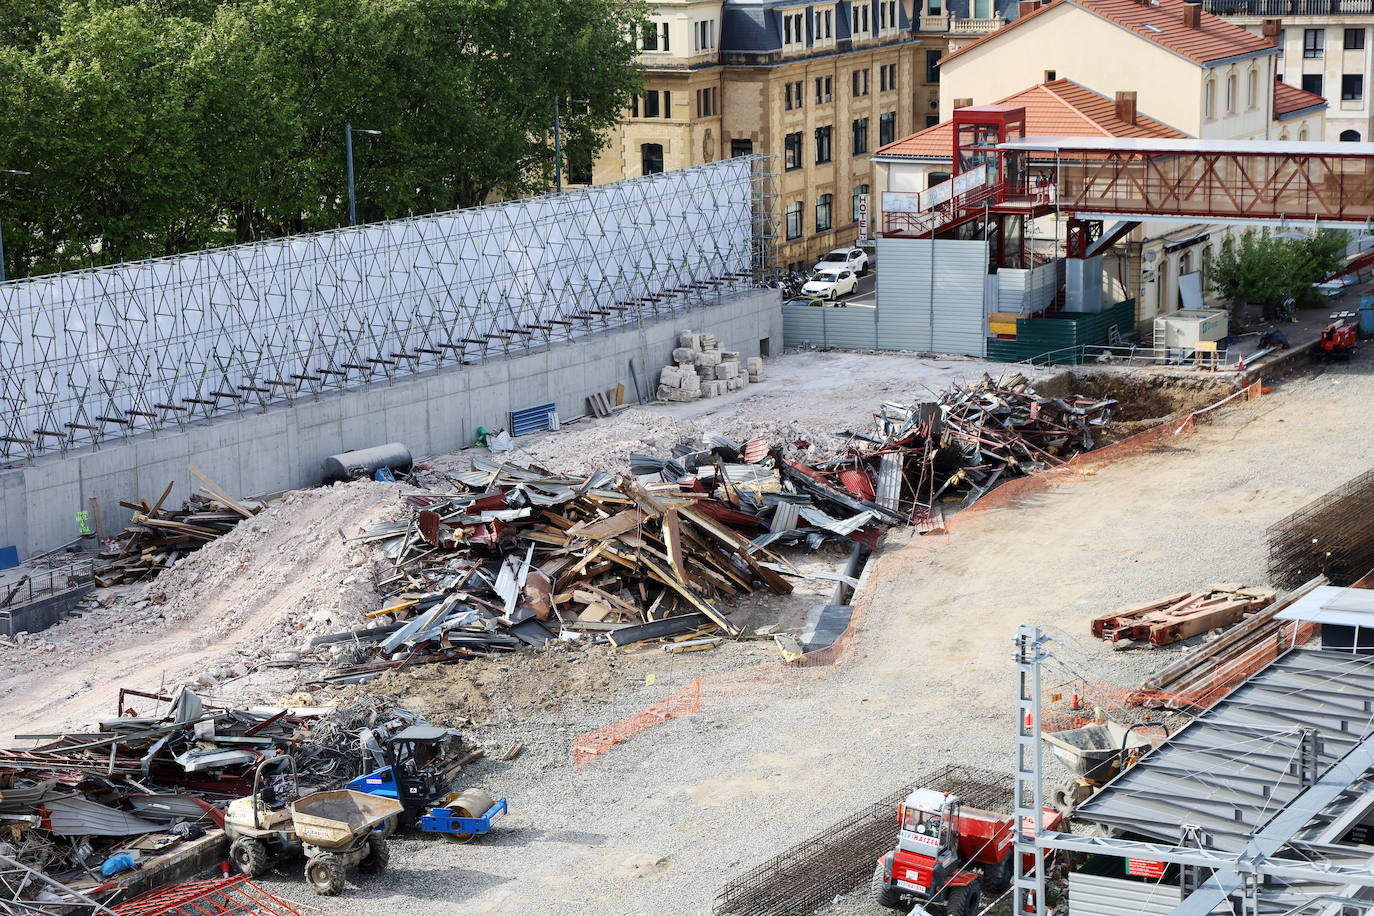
(99,353)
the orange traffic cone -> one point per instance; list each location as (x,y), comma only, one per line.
(1240,363)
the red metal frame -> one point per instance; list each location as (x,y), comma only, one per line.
(1218,185)
(236,895)
(978,130)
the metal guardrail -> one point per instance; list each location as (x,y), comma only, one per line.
(1223,360)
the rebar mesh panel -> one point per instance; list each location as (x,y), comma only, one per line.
(841,857)
(95,354)
(236,895)
(1333,536)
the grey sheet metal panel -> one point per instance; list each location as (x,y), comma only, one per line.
(904,294)
(957,325)
(803,324)
(851,328)
(76,816)
(1098,895)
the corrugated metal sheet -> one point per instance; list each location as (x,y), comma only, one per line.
(1097,895)
(850,328)
(931,295)
(76,816)
(533,419)
(958,325)
(904,305)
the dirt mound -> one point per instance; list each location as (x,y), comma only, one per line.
(1150,397)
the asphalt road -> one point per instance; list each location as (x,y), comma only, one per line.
(866,293)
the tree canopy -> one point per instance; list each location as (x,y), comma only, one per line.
(1262,268)
(162,126)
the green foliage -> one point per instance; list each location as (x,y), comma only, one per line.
(159,126)
(1261,268)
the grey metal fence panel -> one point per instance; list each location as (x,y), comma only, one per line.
(803,325)
(1098,895)
(904,300)
(958,324)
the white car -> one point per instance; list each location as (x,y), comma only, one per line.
(856,259)
(831,283)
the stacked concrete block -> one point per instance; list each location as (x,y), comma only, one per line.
(702,369)
(675,384)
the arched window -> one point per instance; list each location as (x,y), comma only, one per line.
(1302,134)
(1283,136)
(1251,81)
(1231,94)
(651,155)
(1350,136)
(1209,98)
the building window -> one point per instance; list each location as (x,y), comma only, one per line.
(787,97)
(887,128)
(859,82)
(823,212)
(932,120)
(1350,136)
(792,151)
(794,220)
(1251,81)
(1313,42)
(859,192)
(650,36)
(1231,94)
(793,31)
(708,104)
(887,77)
(822,89)
(1312,82)
(933,8)
(887,15)
(932,66)
(822,145)
(634,105)
(860,136)
(825,25)
(935,178)
(651,155)
(1209,99)
(705,35)
(1354,39)
(579,164)
(651,109)
(860,19)
(741,148)
(1352,87)
(667,104)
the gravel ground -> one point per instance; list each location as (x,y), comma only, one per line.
(657,824)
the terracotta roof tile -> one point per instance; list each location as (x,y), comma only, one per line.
(1058,109)
(1290,100)
(1159,22)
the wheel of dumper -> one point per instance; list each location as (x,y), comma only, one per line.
(883,892)
(325,874)
(387,827)
(378,855)
(998,877)
(249,856)
(965,900)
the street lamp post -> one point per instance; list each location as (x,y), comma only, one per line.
(2,235)
(348,144)
(558,144)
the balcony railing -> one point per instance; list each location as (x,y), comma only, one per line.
(944,22)
(1280,8)
(976,26)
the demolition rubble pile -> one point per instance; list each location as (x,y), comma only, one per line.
(145,785)
(701,369)
(524,556)
(157,537)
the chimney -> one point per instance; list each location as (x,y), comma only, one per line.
(1192,15)
(1125,107)
(1270,28)
(962,103)
(1027,7)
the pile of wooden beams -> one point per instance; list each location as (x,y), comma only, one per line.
(1204,675)
(1181,616)
(158,536)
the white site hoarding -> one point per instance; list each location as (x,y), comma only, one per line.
(159,341)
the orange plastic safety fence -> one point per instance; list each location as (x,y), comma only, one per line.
(681,702)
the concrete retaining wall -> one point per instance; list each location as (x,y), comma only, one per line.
(282,447)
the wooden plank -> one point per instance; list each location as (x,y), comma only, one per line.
(672,541)
(158,505)
(695,600)
(617,524)
(1219,615)
(222,496)
(741,548)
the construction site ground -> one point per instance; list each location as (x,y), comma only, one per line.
(772,755)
